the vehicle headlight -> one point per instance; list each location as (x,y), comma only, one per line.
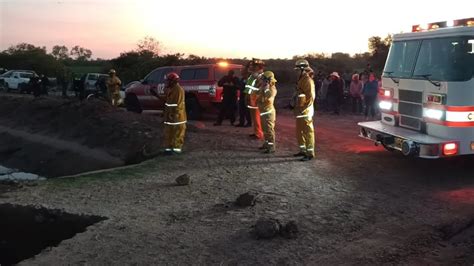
(385,105)
(433,113)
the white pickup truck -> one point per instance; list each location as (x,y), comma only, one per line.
(12,80)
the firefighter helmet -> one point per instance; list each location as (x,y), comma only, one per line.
(301,64)
(112,71)
(257,62)
(269,76)
(172,77)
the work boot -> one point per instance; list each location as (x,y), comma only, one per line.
(307,158)
(299,154)
(262,147)
(268,151)
(168,153)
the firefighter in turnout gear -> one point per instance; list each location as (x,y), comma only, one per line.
(265,99)
(113,86)
(304,110)
(251,89)
(174,115)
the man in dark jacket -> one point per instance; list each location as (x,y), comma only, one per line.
(335,93)
(229,95)
(244,113)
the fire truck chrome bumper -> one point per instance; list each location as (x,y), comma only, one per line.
(407,141)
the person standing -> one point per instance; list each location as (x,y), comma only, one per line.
(370,92)
(113,86)
(356,94)
(335,93)
(44,84)
(304,110)
(265,101)
(174,115)
(229,101)
(244,113)
(257,68)
(35,85)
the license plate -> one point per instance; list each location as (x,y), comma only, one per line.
(398,142)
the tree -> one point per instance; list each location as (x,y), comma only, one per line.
(80,53)
(24,48)
(60,52)
(30,57)
(149,46)
(379,49)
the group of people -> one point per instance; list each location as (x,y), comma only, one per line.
(38,85)
(362,89)
(258,90)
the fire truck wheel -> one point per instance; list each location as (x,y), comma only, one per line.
(132,104)
(193,109)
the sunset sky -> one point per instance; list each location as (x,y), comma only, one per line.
(244,28)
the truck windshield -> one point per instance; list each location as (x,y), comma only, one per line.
(442,59)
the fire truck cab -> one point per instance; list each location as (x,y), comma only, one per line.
(427,94)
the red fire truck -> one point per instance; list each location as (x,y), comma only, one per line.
(198,81)
(427,95)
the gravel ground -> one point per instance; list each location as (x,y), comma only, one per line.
(354,204)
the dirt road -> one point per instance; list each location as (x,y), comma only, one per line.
(354,204)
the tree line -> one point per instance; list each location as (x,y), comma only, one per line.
(135,64)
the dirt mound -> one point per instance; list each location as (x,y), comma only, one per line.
(92,124)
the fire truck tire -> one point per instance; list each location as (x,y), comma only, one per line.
(193,109)
(132,104)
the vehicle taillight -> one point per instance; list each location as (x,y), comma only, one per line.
(450,148)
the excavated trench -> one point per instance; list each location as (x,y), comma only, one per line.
(25,231)
(53,137)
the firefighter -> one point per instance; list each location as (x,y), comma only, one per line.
(113,86)
(174,115)
(256,67)
(265,99)
(304,110)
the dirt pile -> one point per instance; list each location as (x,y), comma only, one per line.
(92,125)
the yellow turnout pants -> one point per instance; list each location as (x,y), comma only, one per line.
(305,135)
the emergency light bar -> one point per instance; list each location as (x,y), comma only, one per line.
(468,22)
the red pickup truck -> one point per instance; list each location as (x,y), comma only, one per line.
(199,82)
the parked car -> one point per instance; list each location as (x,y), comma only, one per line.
(15,79)
(199,82)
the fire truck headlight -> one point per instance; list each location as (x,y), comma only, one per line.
(433,113)
(385,105)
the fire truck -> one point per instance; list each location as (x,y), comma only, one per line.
(427,94)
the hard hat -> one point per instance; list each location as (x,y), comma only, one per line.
(172,77)
(269,76)
(257,62)
(112,71)
(301,64)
